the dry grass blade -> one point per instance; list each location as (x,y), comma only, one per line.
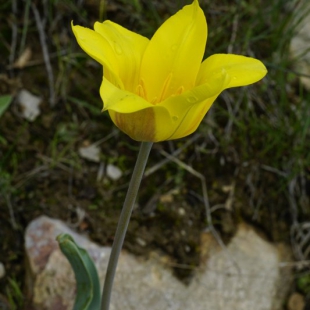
(49,70)
(210,226)
(14,33)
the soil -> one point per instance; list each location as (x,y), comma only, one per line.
(42,172)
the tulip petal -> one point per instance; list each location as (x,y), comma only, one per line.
(174,118)
(190,107)
(217,73)
(128,50)
(133,115)
(238,70)
(99,49)
(145,125)
(173,57)
(138,118)
(193,118)
(119,100)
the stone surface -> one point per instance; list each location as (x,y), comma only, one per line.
(90,152)
(113,172)
(30,104)
(299,46)
(53,284)
(246,275)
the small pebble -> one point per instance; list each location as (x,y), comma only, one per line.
(90,152)
(30,104)
(141,242)
(181,211)
(114,172)
(187,248)
(296,302)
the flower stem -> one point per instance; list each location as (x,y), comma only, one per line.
(123,222)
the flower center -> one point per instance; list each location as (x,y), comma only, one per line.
(141,91)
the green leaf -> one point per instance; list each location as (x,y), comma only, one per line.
(88,295)
(4,103)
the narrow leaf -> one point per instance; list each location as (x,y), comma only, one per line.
(5,101)
(88,287)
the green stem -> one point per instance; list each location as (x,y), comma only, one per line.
(123,222)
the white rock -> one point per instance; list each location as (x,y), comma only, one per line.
(246,275)
(54,284)
(23,59)
(114,172)
(299,46)
(141,242)
(30,104)
(181,211)
(2,270)
(90,152)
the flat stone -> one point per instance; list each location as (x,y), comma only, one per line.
(246,275)
(30,104)
(113,172)
(90,152)
(53,283)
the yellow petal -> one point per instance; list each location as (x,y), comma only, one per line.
(119,100)
(128,49)
(188,109)
(237,70)
(193,118)
(99,49)
(171,119)
(217,73)
(172,59)
(145,125)
(174,118)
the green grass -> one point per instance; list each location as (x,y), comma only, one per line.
(14,294)
(256,137)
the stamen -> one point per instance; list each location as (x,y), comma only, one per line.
(180,90)
(140,90)
(165,87)
(154,100)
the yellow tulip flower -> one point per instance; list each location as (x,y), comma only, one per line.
(160,89)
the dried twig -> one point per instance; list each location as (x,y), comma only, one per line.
(14,34)
(232,111)
(40,25)
(25,29)
(175,153)
(233,34)
(210,226)
(200,177)
(11,211)
(274,170)
(299,265)
(292,200)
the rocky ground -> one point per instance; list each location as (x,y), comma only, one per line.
(61,157)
